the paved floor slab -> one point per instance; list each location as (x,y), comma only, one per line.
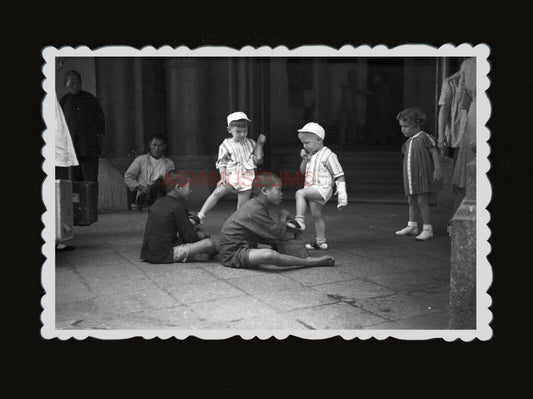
(337,316)
(379,280)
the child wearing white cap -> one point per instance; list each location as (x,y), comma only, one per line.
(238,158)
(322,170)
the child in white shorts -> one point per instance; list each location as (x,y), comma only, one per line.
(238,157)
(322,171)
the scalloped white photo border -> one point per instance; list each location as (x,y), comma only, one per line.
(483,190)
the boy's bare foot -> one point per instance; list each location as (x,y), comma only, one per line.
(327,260)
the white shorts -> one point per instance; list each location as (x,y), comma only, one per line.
(181,253)
(241,181)
(325,192)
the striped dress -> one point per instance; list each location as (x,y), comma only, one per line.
(418,164)
(321,171)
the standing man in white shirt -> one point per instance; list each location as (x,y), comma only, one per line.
(144,177)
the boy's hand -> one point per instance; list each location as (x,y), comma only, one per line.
(261,139)
(143,189)
(304,154)
(202,235)
(284,214)
(223,179)
(342,201)
(342,195)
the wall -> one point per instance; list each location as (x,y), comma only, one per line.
(134,95)
(420,89)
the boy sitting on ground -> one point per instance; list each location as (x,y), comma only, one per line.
(169,235)
(252,224)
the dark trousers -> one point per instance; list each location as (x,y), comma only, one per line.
(87,170)
(156,191)
(62,173)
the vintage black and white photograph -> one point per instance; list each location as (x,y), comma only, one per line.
(266,192)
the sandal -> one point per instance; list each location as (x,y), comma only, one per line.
(293,224)
(315,245)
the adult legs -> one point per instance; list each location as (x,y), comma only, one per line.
(156,191)
(87,170)
(62,173)
(132,197)
(269,256)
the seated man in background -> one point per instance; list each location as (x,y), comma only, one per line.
(144,177)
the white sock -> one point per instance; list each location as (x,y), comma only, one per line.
(412,224)
(427,227)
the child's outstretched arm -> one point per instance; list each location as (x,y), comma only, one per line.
(342,195)
(437,175)
(258,149)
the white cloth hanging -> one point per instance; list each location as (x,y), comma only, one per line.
(65,153)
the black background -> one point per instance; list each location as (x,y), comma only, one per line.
(334,367)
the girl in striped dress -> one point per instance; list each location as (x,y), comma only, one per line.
(238,157)
(421,168)
(322,172)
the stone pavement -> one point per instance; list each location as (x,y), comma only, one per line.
(380,281)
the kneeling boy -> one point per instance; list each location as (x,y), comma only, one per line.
(252,224)
(169,235)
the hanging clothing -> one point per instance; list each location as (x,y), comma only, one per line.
(454,96)
(466,153)
(65,153)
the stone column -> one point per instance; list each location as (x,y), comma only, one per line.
(463,259)
(119,86)
(186,90)
(187,109)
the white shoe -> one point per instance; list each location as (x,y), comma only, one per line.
(315,245)
(425,235)
(408,231)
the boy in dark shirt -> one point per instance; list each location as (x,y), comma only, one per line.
(169,235)
(252,224)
